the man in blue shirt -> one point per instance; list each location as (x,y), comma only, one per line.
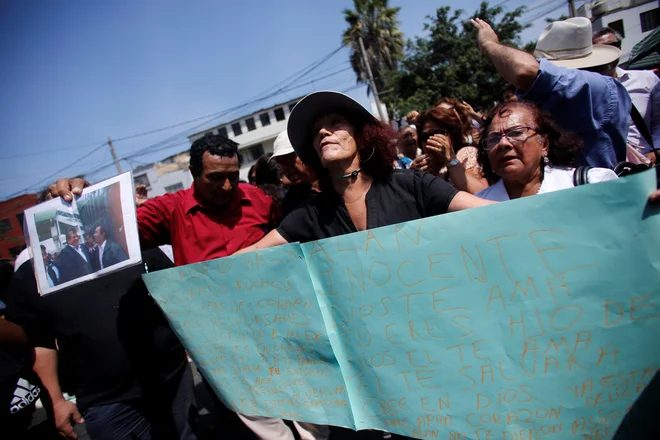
(595,107)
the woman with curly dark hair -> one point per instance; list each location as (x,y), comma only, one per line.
(526,153)
(353,153)
(441,138)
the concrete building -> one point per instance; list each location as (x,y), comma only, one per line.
(169,175)
(633,19)
(254,133)
(12,238)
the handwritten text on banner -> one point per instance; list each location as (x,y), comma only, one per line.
(530,319)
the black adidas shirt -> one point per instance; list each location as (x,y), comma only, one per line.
(405,195)
(19,390)
(114,342)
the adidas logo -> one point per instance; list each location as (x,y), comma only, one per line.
(24,395)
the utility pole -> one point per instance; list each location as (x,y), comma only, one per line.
(114,155)
(371,79)
(571,8)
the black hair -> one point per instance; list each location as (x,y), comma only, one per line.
(266,171)
(607,30)
(103,230)
(43,247)
(215,144)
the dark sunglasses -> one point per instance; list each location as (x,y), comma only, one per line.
(424,137)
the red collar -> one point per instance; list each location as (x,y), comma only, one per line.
(191,201)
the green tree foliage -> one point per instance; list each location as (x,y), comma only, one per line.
(376,22)
(447,62)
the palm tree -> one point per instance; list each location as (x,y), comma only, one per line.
(376,22)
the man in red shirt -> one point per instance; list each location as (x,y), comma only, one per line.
(214,218)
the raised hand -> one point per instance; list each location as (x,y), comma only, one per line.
(140,194)
(67,188)
(485,34)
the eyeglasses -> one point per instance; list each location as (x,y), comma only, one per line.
(425,136)
(516,136)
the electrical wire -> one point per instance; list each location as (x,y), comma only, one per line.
(545,13)
(288,84)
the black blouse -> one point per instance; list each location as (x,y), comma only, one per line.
(405,195)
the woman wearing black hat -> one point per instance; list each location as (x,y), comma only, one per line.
(353,154)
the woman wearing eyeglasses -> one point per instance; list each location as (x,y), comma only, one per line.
(441,138)
(526,153)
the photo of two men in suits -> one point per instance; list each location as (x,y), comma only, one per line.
(77,260)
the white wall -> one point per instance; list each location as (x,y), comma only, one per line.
(157,184)
(632,24)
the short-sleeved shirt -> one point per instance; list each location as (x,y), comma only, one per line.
(403,196)
(593,106)
(113,341)
(198,233)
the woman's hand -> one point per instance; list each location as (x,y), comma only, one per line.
(411,117)
(141,195)
(419,163)
(440,150)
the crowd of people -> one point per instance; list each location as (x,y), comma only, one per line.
(565,120)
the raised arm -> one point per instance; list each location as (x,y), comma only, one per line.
(517,67)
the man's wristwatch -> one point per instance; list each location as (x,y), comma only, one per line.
(452,163)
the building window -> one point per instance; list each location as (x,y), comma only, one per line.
(251,154)
(20,218)
(142,180)
(618,26)
(174,188)
(249,123)
(265,119)
(5,226)
(292,105)
(279,114)
(222,131)
(236,128)
(650,19)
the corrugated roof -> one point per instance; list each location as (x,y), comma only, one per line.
(646,53)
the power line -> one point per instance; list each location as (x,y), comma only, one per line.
(536,6)
(159,147)
(58,150)
(56,173)
(285,85)
(298,75)
(544,13)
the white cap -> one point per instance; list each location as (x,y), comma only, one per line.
(567,43)
(282,146)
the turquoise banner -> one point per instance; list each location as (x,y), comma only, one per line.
(529,319)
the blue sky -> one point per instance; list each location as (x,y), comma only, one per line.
(75,72)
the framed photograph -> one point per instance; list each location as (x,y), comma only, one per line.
(92,236)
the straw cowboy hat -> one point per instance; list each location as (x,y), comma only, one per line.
(567,43)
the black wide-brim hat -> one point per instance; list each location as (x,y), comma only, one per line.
(309,109)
